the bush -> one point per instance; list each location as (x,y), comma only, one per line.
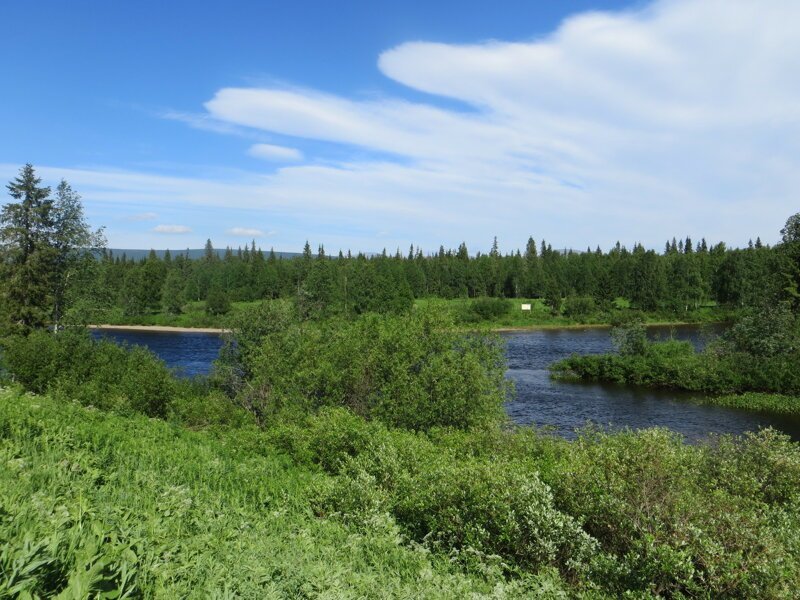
(630,339)
(634,514)
(471,507)
(98,373)
(217,302)
(577,307)
(410,371)
(768,331)
(681,521)
(490,308)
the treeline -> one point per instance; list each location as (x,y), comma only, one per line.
(50,277)
(683,277)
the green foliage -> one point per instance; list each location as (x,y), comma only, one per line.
(578,307)
(790,233)
(711,521)
(44,242)
(98,506)
(172,295)
(673,364)
(630,338)
(94,373)
(767,331)
(217,302)
(628,514)
(487,309)
(775,403)
(410,371)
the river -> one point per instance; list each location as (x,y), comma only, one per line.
(540,400)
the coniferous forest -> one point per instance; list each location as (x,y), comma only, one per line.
(677,281)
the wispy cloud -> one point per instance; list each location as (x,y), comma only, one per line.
(661,118)
(206,122)
(678,117)
(171,229)
(276,153)
(246,232)
(145,216)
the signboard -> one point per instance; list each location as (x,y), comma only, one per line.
(526,307)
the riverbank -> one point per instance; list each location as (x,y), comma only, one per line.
(583,326)
(343,506)
(157,328)
(488,328)
(195,318)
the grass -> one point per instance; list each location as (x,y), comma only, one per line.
(775,403)
(92,503)
(193,315)
(540,316)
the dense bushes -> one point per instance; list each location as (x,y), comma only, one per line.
(578,307)
(628,513)
(719,520)
(409,371)
(97,373)
(94,505)
(675,364)
(470,507)
(487,309)
(761,353)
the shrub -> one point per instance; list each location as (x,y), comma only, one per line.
(577,307)
(410,371)
(630,338)
(98,373)
(471,507)
(768,331)
(714,521)
(490,308)
(217,302)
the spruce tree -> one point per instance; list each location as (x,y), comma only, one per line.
(43,240)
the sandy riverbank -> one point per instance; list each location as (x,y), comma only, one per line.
(157,328)
(510,329)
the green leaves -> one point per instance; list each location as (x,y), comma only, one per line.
(410,371)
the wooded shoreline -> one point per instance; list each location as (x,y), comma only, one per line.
(540,327)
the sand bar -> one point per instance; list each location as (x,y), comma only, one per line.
(157,328)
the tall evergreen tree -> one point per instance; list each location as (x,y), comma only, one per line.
(42,240)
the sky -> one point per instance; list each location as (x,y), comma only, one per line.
(368,125)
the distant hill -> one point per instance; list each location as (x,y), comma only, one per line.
(192,252)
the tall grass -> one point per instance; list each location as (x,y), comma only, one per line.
(98,505)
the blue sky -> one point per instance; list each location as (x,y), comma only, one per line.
(366,125)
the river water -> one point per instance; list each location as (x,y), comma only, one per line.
(540,400)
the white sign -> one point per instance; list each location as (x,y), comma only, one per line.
(525,307)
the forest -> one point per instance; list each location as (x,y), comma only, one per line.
(676,282)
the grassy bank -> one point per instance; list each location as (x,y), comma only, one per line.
(775,403)
(91,503)
(334,506)
(511,317)
(460,310)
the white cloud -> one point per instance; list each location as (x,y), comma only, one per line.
(145,216)
(648,122)
(679,117)
(246,232)
(171,229)
(277,153)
